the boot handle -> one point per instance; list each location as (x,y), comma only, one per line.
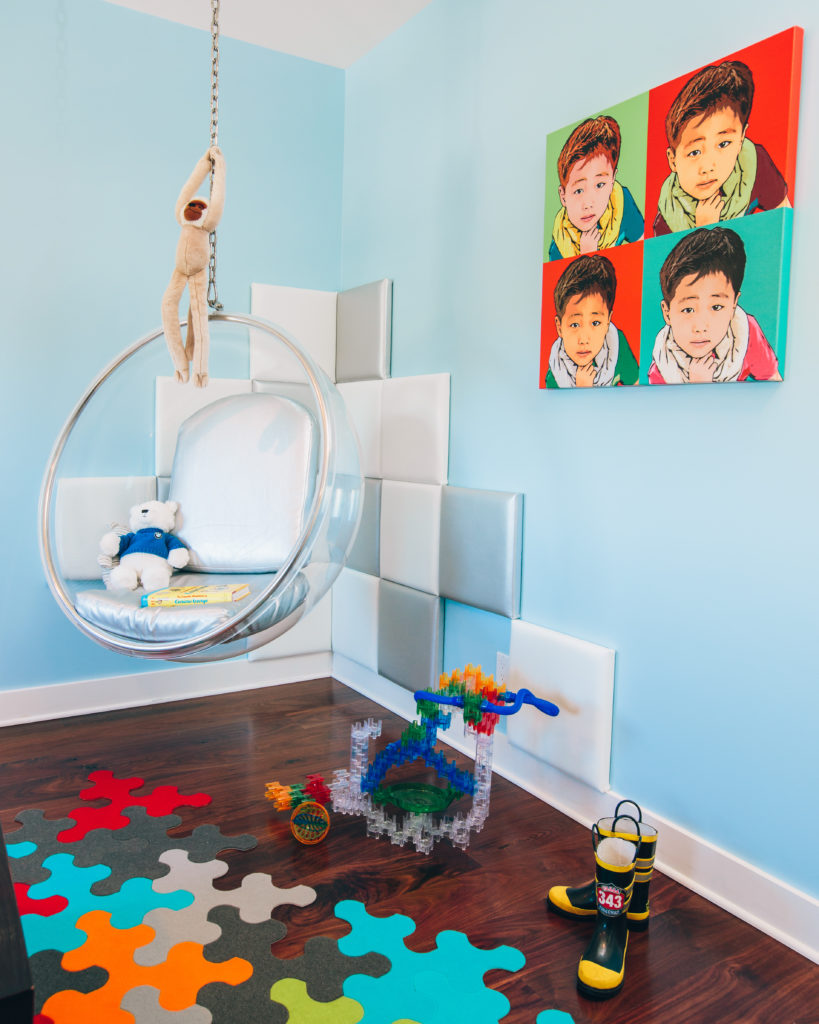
(634,804)
(596,830)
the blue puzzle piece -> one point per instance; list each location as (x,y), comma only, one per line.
(437,987)
(16,850)
(554,1017)
(127,907)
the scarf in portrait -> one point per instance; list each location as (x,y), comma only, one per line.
(674,364)
(564,369)
(567,236)
(679,209)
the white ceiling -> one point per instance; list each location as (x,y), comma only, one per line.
(335,32)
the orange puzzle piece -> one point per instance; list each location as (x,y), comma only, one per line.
(178,979)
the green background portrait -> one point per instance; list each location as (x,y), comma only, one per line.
(632,117)
(764,292)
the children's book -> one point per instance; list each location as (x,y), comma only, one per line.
(215,593)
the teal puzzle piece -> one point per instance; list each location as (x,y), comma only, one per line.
(17,850)
(554,1017)
(437,987)
(127,907)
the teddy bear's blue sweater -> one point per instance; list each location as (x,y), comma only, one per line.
(148,540)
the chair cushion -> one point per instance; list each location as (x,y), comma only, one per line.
(120,611)
(244,477)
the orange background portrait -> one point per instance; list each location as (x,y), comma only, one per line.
(776,64)
(628,266)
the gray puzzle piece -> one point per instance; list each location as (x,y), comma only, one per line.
(322,967)
(256,899)
(135,851)
(43,833)
(249,1001)
(49,976)
(143,1003)
(130,852)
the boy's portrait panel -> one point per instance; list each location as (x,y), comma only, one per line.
(715,302)
(595,181)
(591,315)
(722,138)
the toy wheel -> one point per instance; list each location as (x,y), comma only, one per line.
(310,822)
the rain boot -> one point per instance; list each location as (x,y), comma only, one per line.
(602,967)
(579,902)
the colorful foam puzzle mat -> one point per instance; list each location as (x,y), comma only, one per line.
(124,925)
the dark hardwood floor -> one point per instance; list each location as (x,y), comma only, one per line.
(695,965)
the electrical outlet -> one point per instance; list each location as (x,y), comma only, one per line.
(502,669)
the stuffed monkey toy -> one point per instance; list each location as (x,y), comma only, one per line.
(197,217)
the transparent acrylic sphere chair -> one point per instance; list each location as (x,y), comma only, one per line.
(266,473)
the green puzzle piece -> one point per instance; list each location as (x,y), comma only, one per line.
(292,994)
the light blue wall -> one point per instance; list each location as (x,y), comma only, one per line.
(675,525)
(105,112)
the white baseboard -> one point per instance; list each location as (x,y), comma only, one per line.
(768,904)
(89,696)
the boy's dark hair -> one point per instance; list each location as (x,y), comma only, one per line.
(729,84)
(587,275)
(704,251)
(595,135)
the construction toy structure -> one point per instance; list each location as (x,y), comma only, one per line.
(362,789)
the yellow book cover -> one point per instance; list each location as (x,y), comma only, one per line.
(215,593)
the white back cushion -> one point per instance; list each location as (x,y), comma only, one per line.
(243,475)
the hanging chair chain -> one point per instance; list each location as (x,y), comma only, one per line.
(213,295)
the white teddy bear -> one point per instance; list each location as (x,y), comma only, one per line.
(149,554)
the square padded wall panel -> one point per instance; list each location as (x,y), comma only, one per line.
(363,401)
(481,549)
(415,429)
(410,636)
(85,509)
(363,330)
(576,675)
(175,402)
(310,635)
(365,554)
(410,534)
(355,617)
(308,316)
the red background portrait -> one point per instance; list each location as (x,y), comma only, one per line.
(628,266)
(776,64)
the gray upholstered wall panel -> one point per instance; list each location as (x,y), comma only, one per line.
(481,549)
(410,636)
(363,332)
(366,552)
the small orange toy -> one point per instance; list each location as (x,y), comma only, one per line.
(309,821)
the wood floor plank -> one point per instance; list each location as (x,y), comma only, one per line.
(695,965)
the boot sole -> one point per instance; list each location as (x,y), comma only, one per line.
(554,909)
(597,994)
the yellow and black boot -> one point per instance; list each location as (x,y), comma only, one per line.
(578,902)
(602,967)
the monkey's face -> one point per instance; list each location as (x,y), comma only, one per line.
(195,210)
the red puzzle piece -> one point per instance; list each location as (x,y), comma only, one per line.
(45,908)
(160,801)
(42,1019)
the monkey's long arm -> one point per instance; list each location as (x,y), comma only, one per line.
(191,186)
(217,190)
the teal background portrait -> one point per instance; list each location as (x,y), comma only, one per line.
(632,117)
(764,292)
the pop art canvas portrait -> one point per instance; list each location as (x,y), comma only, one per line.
(695,179)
